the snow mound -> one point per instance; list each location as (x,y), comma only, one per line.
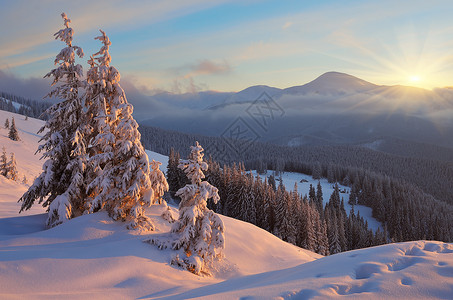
(411,270)
(94,257)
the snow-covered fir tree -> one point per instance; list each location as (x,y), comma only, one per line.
(6,123)
(158,182)
(60,186)
(118,163)
(200,231)
(13,134)
(3,163)
(11,169)
(159,186)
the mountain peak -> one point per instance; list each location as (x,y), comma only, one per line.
(334,74)
(333,83)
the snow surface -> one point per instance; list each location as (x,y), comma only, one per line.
(93,257)
(290,178)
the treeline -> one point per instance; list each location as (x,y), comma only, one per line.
(406,148)
(302,221)
(27,107)
(407,212)
(431,175)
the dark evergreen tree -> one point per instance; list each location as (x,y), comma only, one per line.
(317,170)
(272,182)
(312,195)
(269,209)
(335,198)
(319,197)
(13,134)
(173,172)
(311,231)
(259,190)
(353,195)
(333,235)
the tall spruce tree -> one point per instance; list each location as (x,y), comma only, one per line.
(118,161)
(60,186)
(199,229)
(6,123)
(319,196)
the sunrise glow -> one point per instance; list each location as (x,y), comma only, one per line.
(414,78)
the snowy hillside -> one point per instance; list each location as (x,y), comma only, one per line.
(93,257)
(28,163)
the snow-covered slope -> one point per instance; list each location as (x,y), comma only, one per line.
(28,163)
(93,257)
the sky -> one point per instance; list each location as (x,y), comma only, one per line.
(192,45)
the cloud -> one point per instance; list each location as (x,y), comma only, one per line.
(184,77)
(287,25)
(207,67)
(36,88)
(32,88)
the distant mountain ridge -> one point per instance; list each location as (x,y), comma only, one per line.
(330,84)
(334,108)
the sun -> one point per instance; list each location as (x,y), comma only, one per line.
(414,78)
